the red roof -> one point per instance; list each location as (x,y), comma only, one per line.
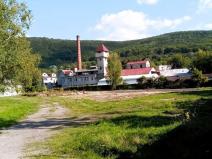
(102,48)
(67,72)
(139,71)
(137,62)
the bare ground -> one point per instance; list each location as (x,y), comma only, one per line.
(36,127)
(117,94)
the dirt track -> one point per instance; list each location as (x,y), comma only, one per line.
(121,94)
(36,127)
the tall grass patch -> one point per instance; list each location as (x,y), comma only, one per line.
(13,109)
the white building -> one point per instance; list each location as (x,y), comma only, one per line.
(97,75)
(138,64)
(137,69)
(174,74)
(49,80)
(164,67)
(134,71)
(86,77)
(102,54)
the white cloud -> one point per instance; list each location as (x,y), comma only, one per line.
(204,4)
(128,25)
(149,2)
(208,26)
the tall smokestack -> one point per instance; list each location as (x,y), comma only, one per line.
(79,62)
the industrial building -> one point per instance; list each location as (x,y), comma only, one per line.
(85,77)
(97,75)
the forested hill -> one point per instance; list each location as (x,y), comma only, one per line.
(61,52)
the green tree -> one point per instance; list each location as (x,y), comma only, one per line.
(53,69)
(179,61)
(114,70)
(17,63)
(203,61)
(198,77)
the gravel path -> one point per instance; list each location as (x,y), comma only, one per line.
(35,128)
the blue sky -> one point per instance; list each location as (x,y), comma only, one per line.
(117,19)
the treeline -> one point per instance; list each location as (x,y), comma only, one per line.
(18,65)
(202,60)
(63,52)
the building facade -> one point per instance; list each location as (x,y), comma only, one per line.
(97,75)
(50,80)
(135,70)
(85,77)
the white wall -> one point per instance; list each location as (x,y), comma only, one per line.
(164,67)
(133,78)
(102,62)
(9,91)
(175,72)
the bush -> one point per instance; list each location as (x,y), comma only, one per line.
(161,82)
(144,82)
(198,77)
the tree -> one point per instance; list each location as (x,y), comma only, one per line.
(198,77)
(203,61)
(114,70)
(18,66)
(179,61)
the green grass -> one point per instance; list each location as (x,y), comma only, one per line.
(133,124)
(158,103)
(13,109)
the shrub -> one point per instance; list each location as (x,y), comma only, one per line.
(161,82)
(198,77)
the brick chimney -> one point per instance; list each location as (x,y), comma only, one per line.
(79,61)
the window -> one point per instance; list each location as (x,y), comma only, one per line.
(100,67)
(141,66)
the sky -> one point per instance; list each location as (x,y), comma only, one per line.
(116,20)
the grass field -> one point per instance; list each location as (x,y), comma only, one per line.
(128,128)
(13,109)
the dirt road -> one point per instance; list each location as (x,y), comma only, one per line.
(120,94)
(37,127)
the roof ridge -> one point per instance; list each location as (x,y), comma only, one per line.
(102,48)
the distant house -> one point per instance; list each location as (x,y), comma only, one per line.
(137,69)
(77,78)
(49,80)
(138,64)
(134,70)
(164,67)
(174,74)
(80,77)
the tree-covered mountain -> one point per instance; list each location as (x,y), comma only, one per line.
(61,52)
